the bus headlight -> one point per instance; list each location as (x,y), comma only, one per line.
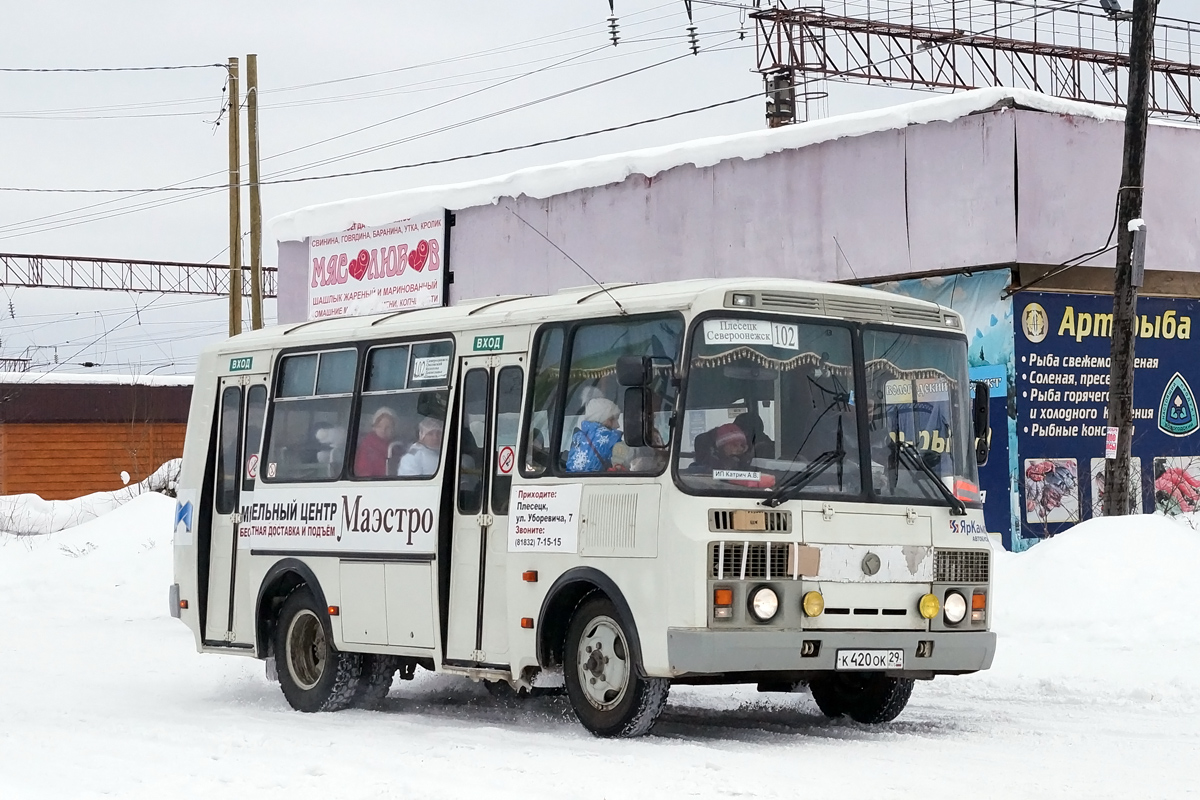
(813,604)
(956,607)
(929,606)
(764,603)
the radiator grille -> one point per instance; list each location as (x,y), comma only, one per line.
(961,566)
(727,561)
(721,521)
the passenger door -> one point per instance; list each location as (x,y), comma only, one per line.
(242,403)
(489,403)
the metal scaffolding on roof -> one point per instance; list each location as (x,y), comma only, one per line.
(1061,49)
(125,275)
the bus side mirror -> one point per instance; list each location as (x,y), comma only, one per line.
(979,418)
(633,370)
(634,408)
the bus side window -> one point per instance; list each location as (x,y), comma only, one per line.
(543,401)
(400,424)
(509,383)
(307,439)
(472,464)
(227,450)
(592,440)
(256,409)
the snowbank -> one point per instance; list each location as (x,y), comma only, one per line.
(1107,606)
(568,176)
(29,514)
(102,694)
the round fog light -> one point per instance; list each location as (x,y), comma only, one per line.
(956,607)
(764,603)
(813,604)
(929,606)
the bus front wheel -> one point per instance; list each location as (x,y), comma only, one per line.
(313,673)
(608,695)
(867,697)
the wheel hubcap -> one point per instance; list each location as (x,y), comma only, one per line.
(306,649)
(603,663)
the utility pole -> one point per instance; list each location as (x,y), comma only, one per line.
(235,202)
(256,320)
(1117,500)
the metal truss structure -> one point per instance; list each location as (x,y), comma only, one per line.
(1070,50)
(126,275)
(14,364)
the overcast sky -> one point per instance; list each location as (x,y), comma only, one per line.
(381,76)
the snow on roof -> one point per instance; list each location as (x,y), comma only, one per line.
(568,176)
(54,378)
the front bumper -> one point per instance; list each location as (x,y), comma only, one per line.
(707,652)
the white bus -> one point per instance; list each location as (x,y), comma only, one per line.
(747,481)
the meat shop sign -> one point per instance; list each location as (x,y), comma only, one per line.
(376,270)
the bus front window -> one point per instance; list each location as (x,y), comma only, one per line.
(917,395)
(769,401)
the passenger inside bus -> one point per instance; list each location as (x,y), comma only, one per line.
(724,447)
(760,445)
(370,460)
(423,457)
(330,447)
(593,443)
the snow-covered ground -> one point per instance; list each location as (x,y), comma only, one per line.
(1095,693)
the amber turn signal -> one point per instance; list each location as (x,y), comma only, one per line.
(723,597)
(978,601)
(529,576)
(527,622)
(333,611)
(183,603)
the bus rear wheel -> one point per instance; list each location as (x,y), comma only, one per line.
(313,673)
(608,695)
(867,697)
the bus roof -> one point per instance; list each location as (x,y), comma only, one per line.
(599,300)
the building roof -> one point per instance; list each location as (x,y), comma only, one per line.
(567,176)
(56,378)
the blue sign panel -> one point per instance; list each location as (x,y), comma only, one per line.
(1062,372)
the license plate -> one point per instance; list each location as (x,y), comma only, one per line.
(869,659)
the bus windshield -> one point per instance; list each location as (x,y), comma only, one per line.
(767,400)
(771,410)
(917,395)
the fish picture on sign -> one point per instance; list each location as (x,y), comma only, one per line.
(1051,490)
(1176,485)
(1135,483)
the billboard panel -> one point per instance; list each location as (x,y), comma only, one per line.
(374,270)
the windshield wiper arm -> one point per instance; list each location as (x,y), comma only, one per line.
(909,449)
(791,487)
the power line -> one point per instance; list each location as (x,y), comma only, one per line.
(111,69)
(437,161)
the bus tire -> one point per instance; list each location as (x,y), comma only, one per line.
(378,672)
(608,695)
(313,674)
(867,697)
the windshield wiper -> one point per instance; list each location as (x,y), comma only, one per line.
(791,487)
(906,448)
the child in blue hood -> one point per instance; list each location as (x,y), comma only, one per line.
(593,442)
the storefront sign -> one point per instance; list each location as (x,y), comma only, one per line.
(1062,374)
(373,270)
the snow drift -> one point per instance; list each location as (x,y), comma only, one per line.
(1094,693)
(29,514)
